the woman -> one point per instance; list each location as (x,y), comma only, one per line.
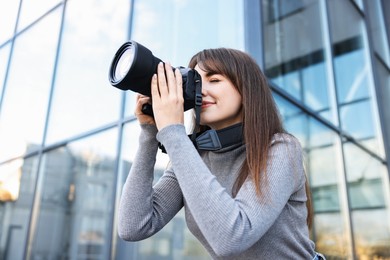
(246,200)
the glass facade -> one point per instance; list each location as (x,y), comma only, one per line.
(68,139)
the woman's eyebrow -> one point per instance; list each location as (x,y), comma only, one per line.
(211,73)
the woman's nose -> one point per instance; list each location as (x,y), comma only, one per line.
(204,89)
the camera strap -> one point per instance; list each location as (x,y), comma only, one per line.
(214,140)
(198,103)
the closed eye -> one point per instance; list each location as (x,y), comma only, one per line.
(215,80)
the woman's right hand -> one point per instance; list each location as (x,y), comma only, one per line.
(143,118)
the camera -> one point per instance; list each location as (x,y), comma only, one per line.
(133,66)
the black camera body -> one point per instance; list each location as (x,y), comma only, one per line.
(133,66)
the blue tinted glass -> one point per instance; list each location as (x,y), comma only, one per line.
(315,87)
(294,56)
(352,76)
(378,29)
(291,83)
(357,119)
(354,80)
(294,120)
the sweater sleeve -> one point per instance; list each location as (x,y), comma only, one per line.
(144,209)
(231,225)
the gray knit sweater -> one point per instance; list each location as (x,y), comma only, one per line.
(244,227)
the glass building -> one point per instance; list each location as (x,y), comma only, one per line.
(68,138)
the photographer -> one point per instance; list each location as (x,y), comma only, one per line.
(244,199)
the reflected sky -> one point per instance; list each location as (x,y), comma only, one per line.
(83,98)
(8,15)
(24,107)
(176,31)
(33,9)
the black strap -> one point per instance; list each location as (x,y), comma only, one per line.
(213,140)
(198,102)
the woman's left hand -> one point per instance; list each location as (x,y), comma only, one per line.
(167,96)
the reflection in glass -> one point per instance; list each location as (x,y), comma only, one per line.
(294,120)
(360,126)
(175,30)
(83,97)
(24,107)
(76,201)
(368,192)
(383,76)
(15,215)
(8,16)
(174,241)
(359,3)
(326,179)
(353,78)
(323,160)
(294,56)
(380,43)
(31,10)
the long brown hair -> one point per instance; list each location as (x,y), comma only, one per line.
(261,119)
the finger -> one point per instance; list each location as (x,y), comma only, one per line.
(179,83)
(154,87)
(170,79)
(140,97)
(162,82)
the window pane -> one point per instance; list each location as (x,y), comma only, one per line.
(365,176)
(353,75)
(368,189)
(174,241)
(33,9)
(28,87)
(175,30)
(361,127)
(294,52)
(8,16)
(294,120)
(76,202)
(351,72)
(17,179)
(83,98)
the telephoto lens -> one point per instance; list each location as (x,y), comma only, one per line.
(133,66)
